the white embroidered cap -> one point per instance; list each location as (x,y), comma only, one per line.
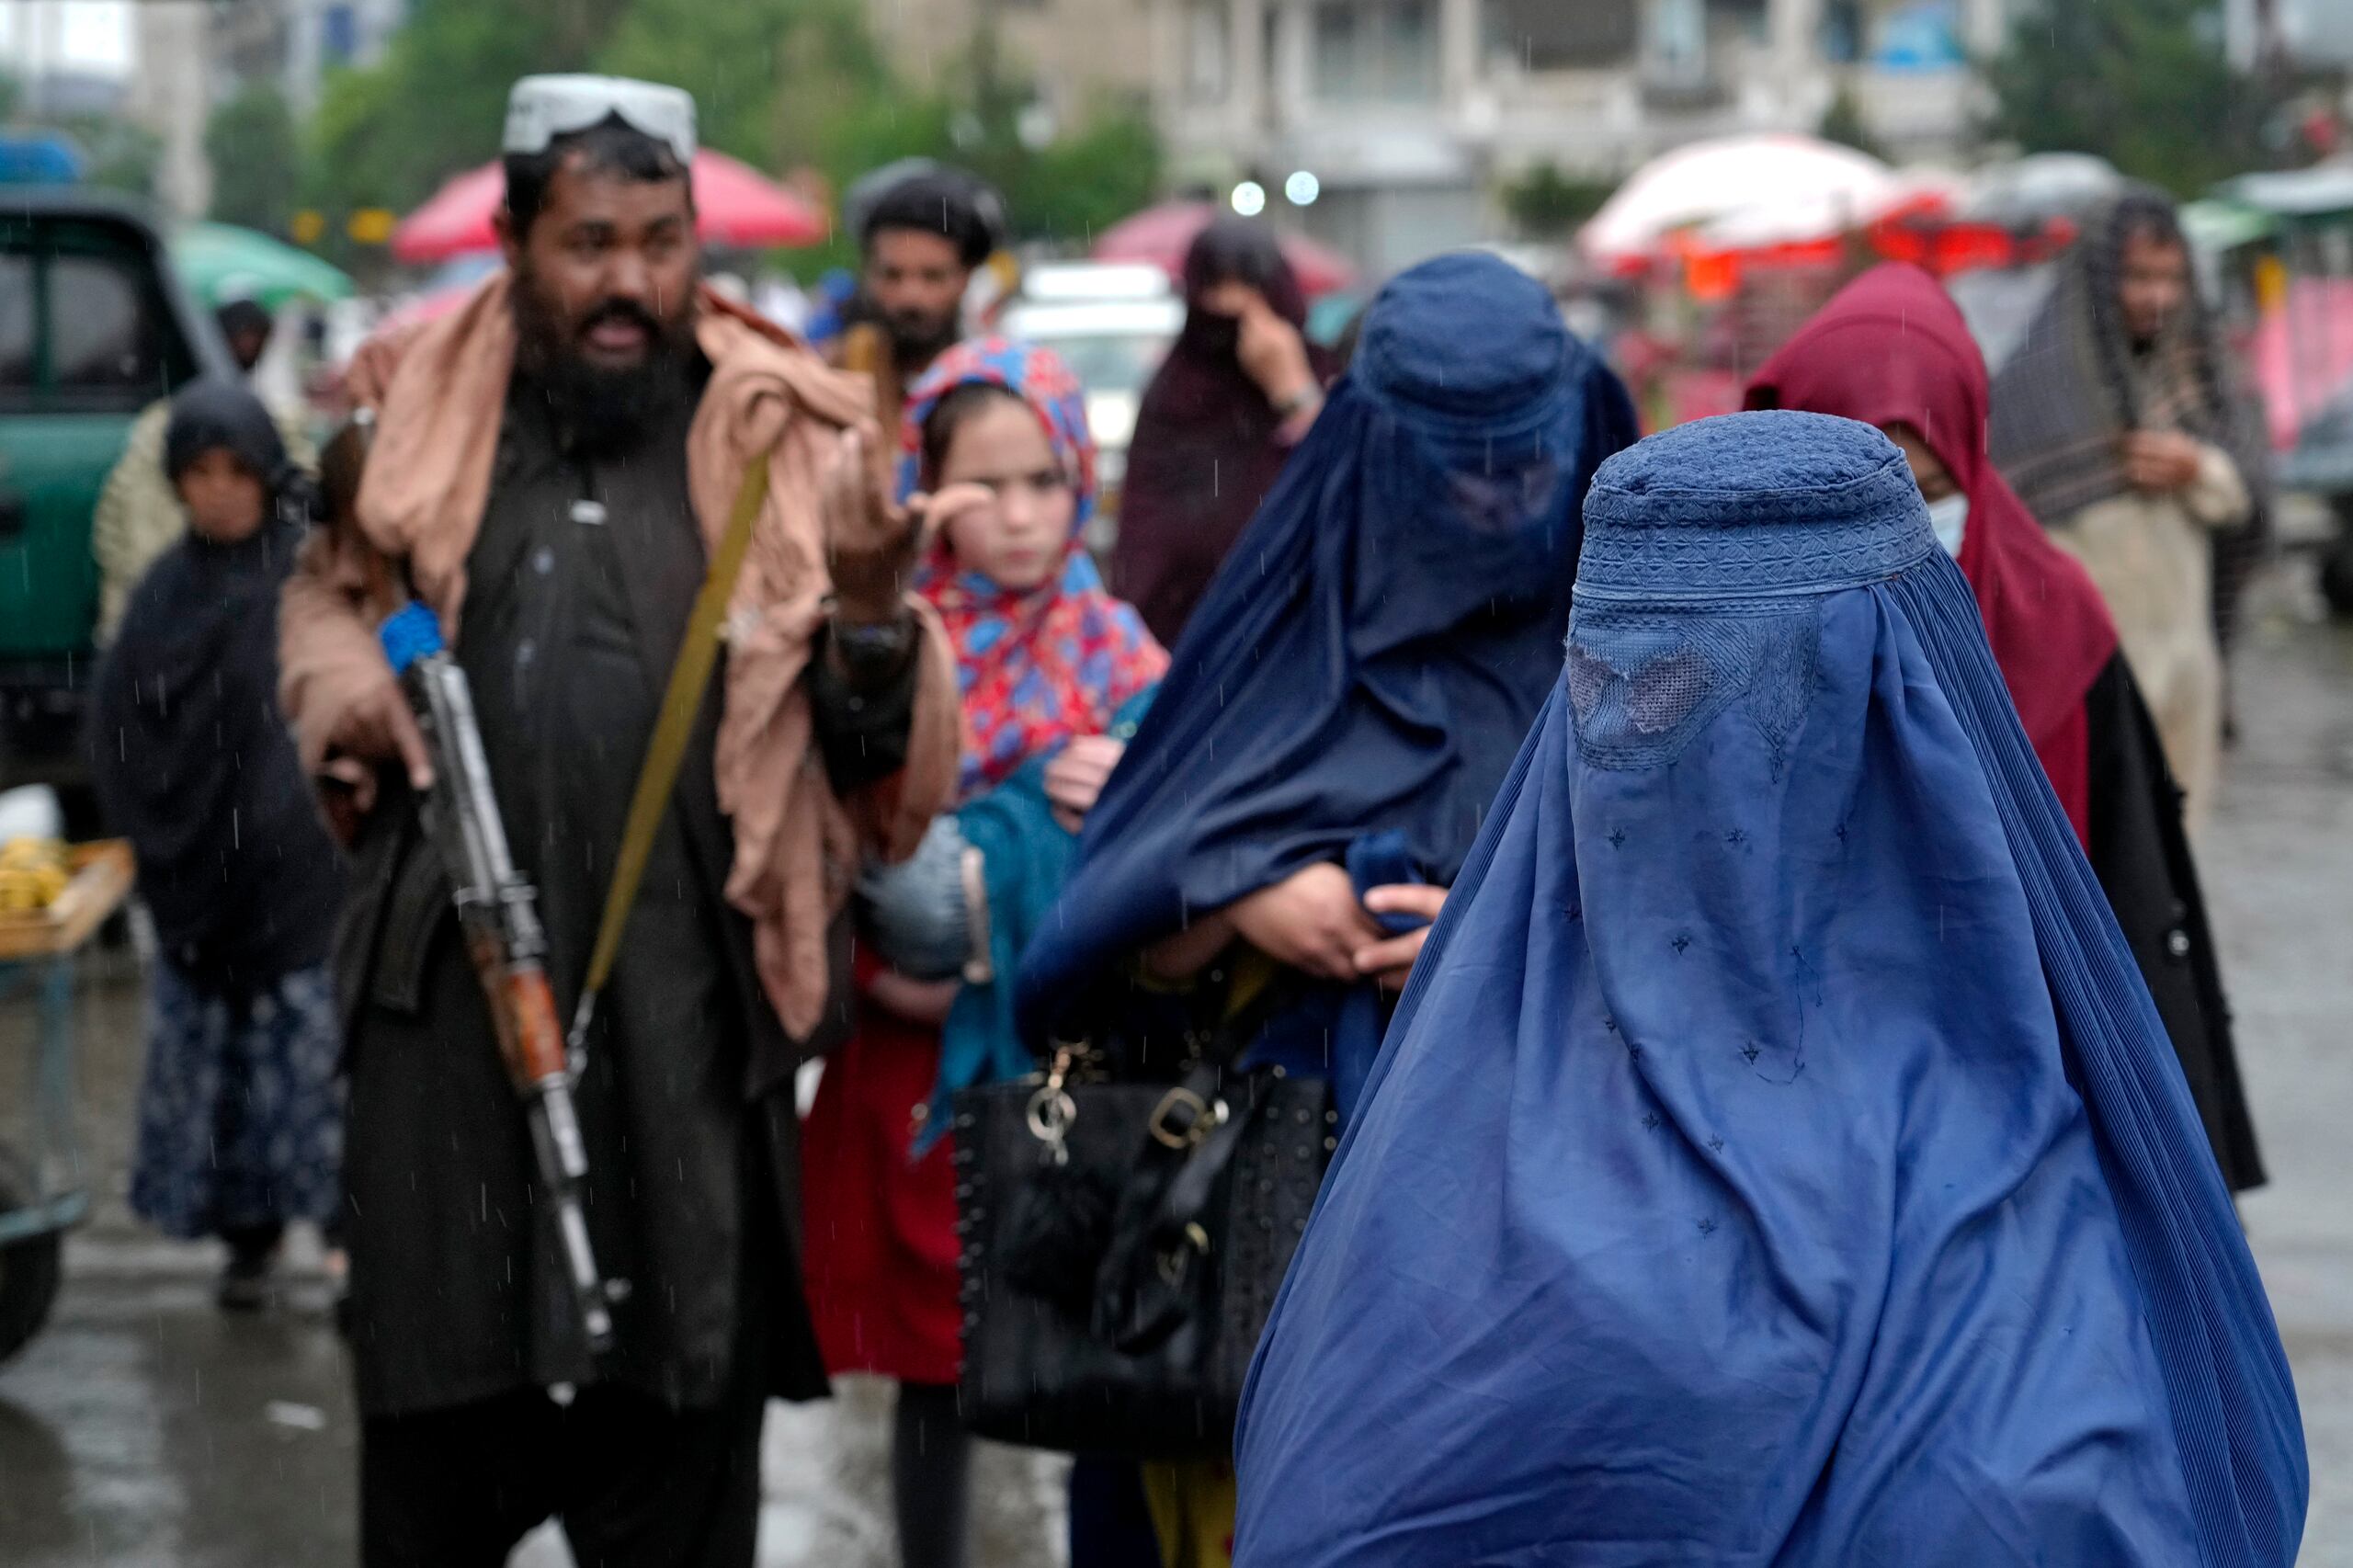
(541,108)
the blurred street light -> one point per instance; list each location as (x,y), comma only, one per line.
(1249,198)
(1303,188)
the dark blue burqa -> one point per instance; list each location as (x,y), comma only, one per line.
(1379,640)
(1777,1158)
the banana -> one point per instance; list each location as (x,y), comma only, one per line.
(33,873)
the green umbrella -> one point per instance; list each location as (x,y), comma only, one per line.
(223,262)
(2223,225)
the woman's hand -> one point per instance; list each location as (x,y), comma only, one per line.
(1391,961)
(1270,350)
(1311,921)
(917,1001)
(1074,779)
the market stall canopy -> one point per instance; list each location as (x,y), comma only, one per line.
(735,206)
(2321,191)
(1161,235)
(2215,225)
(222,262)
(1712,181)
(2040,187)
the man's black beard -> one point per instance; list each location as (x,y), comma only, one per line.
(916,341)
(594,406)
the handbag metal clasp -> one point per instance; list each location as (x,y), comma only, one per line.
(1052,1109)
(1201,1116)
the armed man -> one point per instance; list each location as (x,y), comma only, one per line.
(561,471)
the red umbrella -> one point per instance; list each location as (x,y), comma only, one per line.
(734,205)
(1161,235)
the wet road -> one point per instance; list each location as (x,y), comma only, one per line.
(144,1430)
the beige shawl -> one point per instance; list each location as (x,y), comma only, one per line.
(438,392)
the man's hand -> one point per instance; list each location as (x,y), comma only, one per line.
(1310,920)
(1074,779)
(380,728)
(2160,461)
(871,545)
(1270,349)
(936,514)
(1391,961)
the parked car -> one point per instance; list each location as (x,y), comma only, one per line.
(94,326)
(1112,323)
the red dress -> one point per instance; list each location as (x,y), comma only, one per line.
(881,1269)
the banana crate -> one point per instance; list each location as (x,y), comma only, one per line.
(53,895)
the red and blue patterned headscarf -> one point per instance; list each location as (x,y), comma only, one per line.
(1036,666)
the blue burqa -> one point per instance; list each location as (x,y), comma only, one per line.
(1376,645)
(1776,1158)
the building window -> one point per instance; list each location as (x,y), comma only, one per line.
(1376,51)
(1208,45)
(1676,51)
(338,35)
(1563,35)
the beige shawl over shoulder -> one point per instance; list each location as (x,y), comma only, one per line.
(438,394)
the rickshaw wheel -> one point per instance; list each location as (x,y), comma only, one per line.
(29,1269)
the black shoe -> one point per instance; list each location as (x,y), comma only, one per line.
(246,1285)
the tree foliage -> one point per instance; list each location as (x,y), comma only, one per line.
(1843,123)
(2143,83)
(1545,204)
(784,84)
(256,158)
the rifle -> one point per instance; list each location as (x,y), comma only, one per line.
(498,910)
(866,348)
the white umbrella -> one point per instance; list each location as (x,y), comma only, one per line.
(1820,186)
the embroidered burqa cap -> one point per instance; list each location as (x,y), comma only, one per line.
(1776,1158)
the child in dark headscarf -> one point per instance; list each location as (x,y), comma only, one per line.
(240,1130)
(1235,394)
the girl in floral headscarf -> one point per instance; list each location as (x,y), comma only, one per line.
(996,451)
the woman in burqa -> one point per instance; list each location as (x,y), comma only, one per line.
(1892,350)
(1776,1158)
(239,1120)
(1217,424)
(1338,716)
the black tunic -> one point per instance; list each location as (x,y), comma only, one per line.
(2141,855)
(193,764)
(574,615)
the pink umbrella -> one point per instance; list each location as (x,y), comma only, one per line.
(1161,235)
(734,205)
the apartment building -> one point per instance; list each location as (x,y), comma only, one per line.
(1076,53)
(1407,112)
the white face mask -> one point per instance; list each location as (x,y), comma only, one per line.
(1949,519)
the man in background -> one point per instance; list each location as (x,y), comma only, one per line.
(922,238)
(2119,429)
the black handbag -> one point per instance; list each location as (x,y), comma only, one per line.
(1122,1244)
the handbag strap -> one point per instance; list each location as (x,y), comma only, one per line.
(689,673)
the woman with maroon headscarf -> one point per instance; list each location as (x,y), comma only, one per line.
(1892,350)
(1237,392)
